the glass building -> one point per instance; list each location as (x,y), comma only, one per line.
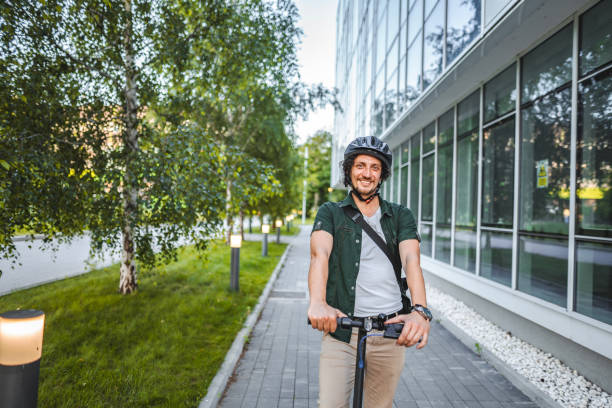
(499,114)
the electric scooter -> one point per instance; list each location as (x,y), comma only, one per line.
(366,325)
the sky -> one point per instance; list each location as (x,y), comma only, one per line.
(316,57)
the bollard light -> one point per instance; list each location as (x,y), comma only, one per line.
(279,224)
(235,244)
(235,241)
(265,228)
(21,338)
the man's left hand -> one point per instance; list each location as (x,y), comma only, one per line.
(416,328)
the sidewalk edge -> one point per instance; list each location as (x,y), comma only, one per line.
(524,385)
(219,382)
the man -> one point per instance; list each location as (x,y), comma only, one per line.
(351,276)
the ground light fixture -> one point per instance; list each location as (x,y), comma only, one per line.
(279,224)
(265,229)
(21,338)
(235,244)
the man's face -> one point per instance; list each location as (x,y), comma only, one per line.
(365,174)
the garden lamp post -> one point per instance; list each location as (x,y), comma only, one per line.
(329,190)
(279,224)
(235,244)
(21,338)
(265,229)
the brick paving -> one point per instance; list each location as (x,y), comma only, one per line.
(279,367)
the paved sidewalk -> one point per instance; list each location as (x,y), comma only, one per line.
(279,367)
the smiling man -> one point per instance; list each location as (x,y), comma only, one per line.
(350,275)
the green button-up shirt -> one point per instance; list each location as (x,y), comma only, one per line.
(398,224)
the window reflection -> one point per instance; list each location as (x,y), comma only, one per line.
(415,143)
(413,77)
(594,157)
(463,26)
(542,268)
(415,20)
(404,187)
(381,48)
(595,37)
(426,239)
(391,100)
(548,66)
(465,249)
(395,175)
(498,174)
(500,94)
(377,116)
(434,35)
(443,243)
(544,176)
(594,280)
(393,18)
(427,188)
(429,138)
(496,257)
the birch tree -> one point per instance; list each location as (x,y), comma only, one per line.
(84,144)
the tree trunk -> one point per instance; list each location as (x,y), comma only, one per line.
(228,209)
(242,223)
(127,277)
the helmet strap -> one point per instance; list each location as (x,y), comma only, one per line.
(368,199)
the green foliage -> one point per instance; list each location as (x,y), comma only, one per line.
(318,173)
(161,347)
(140,119)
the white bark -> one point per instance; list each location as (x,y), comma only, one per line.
(127,278)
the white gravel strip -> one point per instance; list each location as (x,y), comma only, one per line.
(564,385)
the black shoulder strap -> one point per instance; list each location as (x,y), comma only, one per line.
(357,217)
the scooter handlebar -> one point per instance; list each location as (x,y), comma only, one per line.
(391,331)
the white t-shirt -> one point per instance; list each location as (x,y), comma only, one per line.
(376,290)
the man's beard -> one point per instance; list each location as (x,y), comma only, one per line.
(366,193)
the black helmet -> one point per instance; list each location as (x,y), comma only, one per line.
(372,146)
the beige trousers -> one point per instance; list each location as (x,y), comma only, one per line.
(384,363)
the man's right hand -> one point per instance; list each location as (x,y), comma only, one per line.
(323,317)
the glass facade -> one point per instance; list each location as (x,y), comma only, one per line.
(509,183)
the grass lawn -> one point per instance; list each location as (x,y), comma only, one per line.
(159,347)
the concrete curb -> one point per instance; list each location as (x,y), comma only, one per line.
(219,383)
(523,384)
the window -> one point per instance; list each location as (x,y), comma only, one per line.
(434,36)
(391,100)
(444,186)
(429,138)
(545,175)
(544,169)
(543,268)
(594,280)
(414,70)
(500,94)
(395,175)
(426,239)
(595,37)
(393,16)
(415,20)
(468,113)
(463,26)
(496,256)
(427,188)
(381,48)
(548,66)
(498,174)
(405,149)
(415,146)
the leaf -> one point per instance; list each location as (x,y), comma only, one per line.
(4,164)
